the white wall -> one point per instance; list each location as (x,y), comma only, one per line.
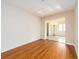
(18,27)
(76,26)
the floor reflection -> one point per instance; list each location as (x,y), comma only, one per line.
(57,38)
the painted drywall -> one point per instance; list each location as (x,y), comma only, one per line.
(18,26)
(70,25)
(76,26)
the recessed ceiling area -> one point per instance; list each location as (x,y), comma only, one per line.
(44,7)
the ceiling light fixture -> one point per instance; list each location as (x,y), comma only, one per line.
(42,0)
(40,12)
(49,9)
(58,7)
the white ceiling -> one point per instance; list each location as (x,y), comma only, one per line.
(44,8)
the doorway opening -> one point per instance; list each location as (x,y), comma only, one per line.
(55,29)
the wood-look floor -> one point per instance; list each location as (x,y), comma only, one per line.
(41,49)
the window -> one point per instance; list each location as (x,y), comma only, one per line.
(64,27)
(61,27)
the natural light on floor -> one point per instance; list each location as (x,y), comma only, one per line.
(57,38)
(62,39)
